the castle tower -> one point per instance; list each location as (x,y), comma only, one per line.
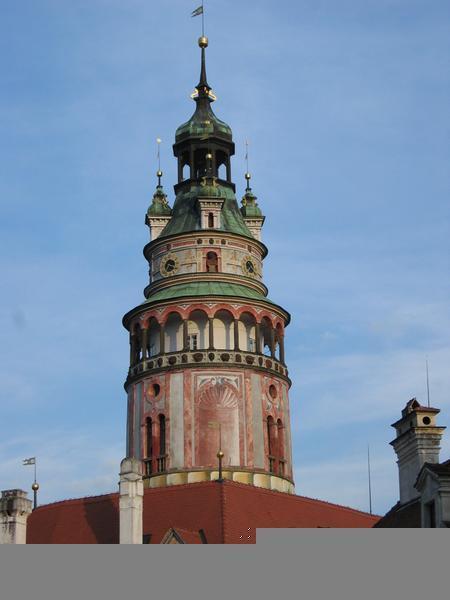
(207,365)
(418,441)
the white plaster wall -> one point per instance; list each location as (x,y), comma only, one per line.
(223,334)
(191,260)
(176,409)
(246,334)
(138,391)
(173,336)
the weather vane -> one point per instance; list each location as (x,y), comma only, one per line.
(35,486)
(159,173)
(200,11)
(247,174)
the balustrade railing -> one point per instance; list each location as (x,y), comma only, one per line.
(188,357)
(272,462)
(161,463)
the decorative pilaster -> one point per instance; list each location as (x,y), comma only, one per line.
(131,501)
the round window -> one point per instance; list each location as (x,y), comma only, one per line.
(426,420)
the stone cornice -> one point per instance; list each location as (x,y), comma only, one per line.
(206,359)
(269,306)
(187,278)
(203,233)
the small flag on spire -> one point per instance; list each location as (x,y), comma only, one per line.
(29,461)
(198,11)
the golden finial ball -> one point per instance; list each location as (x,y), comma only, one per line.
(35,487)
(159,174)
(209,156)
(203,41)
(220,454)
(248,176)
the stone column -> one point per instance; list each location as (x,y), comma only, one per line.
(162,338)
(185,336)
(144,343)
(281,342)
(236,335)
(211,333)
(14,511)
(131,501)
(191,163)
(132,346)
(258,338)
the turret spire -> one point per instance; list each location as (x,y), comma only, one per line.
(203,89)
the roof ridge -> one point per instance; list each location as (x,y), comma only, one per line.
(77,500)
(306,498)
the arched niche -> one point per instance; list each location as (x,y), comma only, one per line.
(198,330)
(267,337)
(222,165)
(247,332)
(217,422)
(173,333)
(223,330)
(153,337)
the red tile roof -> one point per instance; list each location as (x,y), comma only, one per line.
(227,513)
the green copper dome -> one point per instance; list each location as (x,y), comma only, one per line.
(159,206)
(203,123)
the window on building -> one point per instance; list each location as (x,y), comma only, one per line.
(162,444)
(192,341)
(148,446)
(271,444)
(151,350)
(252,345)
(211,220)
(212,262)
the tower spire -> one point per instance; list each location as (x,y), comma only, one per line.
(203,88)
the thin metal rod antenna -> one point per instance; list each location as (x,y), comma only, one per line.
(246,154)
(203,19)
(369,479)
(428,384)
(158,141)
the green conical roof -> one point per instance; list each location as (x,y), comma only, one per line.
(159,206)
(250,206)
(186,215)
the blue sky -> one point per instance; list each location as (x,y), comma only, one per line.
(345,105)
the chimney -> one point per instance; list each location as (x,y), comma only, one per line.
(417,442)
(131,501)
(14,510)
